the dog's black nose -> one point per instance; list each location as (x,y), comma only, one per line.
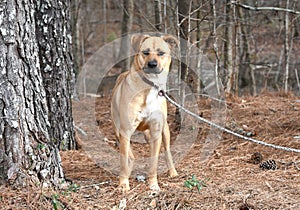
(152,64)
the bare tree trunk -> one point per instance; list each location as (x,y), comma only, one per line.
(126,27)
(75,10)
(236,46)
(199,58)
(165,17)
(215,45)
(178,34)
(246,77)
(297,78)
(280,64)
(54,43)
(228,48)
(104,21)
(183,10)
(158,18)
(286,48)
(247,59)
(33,89)
(187,75)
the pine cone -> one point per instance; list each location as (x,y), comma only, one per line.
(246,206)
(268,165)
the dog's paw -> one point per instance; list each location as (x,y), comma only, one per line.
(153,184)
(124,185)
(124,188)
(173,173)
(154,187)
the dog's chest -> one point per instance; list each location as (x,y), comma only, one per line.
(153,103)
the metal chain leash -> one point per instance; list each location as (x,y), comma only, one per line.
(164,94)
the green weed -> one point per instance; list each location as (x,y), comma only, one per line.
(195,183)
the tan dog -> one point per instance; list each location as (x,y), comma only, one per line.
(136,105)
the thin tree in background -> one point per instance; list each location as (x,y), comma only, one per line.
(287,47)
(236,26)
(127,7)
(104,2)
(215,45)
(198,44)
(246,77)
(183,12)
(228,48)
(75,10)
(158,15)
(165,19)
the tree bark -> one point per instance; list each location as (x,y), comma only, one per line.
(28,152)
(199,59)
(215,46)
(158,18)
(54,42)
(246,76)
(75,24)
(228,49)
(183,10)
(126,27)
(286,48)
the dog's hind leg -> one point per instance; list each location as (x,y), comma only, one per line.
(166,143)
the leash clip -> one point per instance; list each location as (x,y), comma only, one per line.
(161,93)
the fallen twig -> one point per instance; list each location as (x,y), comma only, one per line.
(255,8)
(93,185)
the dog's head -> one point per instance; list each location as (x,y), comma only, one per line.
(153,54)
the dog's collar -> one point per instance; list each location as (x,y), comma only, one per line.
(152,84)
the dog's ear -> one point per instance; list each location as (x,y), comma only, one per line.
(137,40)
(171,40)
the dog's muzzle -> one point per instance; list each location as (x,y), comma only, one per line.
(152,68)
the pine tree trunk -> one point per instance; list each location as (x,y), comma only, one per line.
(54,41)
(128,7)
(286,48)
(245,77)
(228,49)
(75,10)
(183,10)
(157,15)
(29,120)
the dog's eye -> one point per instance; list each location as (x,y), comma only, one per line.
(146,52)
(160,53)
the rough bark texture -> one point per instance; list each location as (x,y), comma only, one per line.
(54,41)
(228,49)
(77,60)
(28,153)
(157,15)
(126,27)
(183,10)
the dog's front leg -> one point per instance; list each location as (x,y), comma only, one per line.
(156,126)
(125,162)
(166,143)
(154,152)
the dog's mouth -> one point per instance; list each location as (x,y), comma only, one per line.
(152,67)
(155,70)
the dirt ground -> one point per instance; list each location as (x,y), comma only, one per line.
(231,178)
